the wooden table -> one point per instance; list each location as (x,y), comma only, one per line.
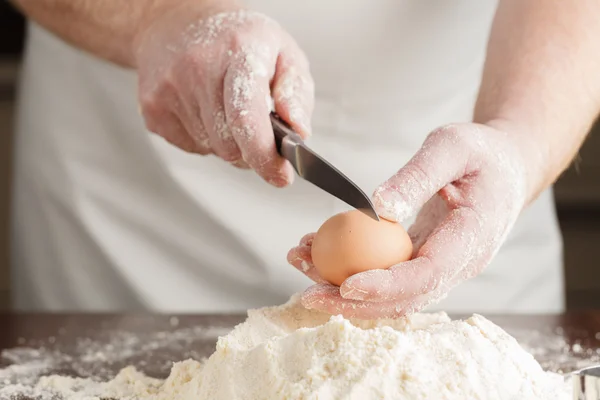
(101,344)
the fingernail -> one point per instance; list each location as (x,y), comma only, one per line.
(390,205)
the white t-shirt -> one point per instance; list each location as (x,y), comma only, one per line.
(110,217)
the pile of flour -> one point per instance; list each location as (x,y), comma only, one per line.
(288,352)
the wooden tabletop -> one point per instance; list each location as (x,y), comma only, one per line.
(99,345)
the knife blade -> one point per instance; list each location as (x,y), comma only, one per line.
(315,169)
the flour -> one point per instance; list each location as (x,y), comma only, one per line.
(96,360)
(554,352)
(207,31)
(250,63)
(288,352)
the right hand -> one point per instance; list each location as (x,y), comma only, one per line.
(209,73)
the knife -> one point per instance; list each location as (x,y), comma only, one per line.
(316,170)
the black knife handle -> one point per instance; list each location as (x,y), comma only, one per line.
(278,131)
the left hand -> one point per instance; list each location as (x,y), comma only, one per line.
(470,181)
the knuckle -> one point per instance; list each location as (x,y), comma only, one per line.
(444,133)
(150,105)
(243,131)
(203,146)
(152,126)
(194,66)
(263,164)
(220,127)
(169,83)
(152,123)
(230,152)
(199,133)
(179,141)
(416,174)
(425,273)
(240,163)
(238,38)
(192,57)
(453,136)
(231,157)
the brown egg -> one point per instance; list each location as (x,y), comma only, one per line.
(351,242)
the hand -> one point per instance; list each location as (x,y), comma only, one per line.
(470,182)
(208,75)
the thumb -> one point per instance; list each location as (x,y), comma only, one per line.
(441,160)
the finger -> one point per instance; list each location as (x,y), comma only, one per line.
(307,239)
(294,91)
(433,213)
(300,257)
(419,303)
(162,120)
(241,164)
(193,125)
(169,127)
(442,159)
(247,112)
(213,113)
(447,251)
(326,298)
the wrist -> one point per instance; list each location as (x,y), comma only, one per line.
(532,154)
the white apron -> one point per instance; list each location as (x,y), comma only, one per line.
(109,217)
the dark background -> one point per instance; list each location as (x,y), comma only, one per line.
(11,30)
(577,191)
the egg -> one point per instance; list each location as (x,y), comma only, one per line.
(351,242)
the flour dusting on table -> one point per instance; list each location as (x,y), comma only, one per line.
(96,360)
(293,353)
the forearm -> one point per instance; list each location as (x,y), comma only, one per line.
(106,28)
(542,79)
